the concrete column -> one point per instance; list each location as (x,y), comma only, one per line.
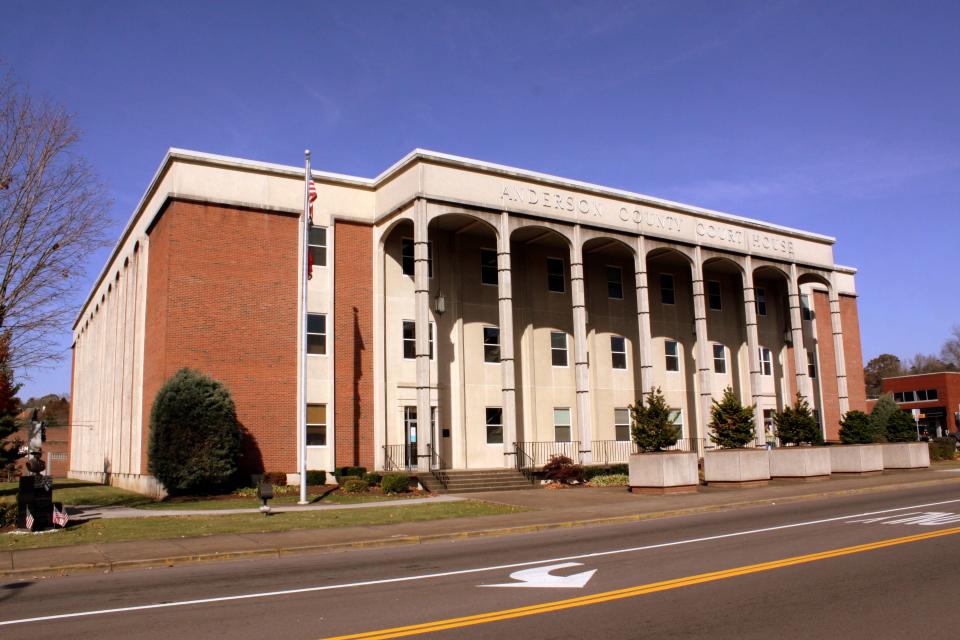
(421,282)
(507,365)
(753,345)
(581,371)
(837,325)
(704,355)
(643,315)
(796,332)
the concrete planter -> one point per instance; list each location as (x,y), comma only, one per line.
(664,472)
(737,468)
(906,455)
(808,464)
(860,459)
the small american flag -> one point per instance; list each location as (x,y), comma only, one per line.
(60,518)
(29,521)
(312,196)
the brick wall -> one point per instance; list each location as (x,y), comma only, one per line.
(827,366)
(852,352)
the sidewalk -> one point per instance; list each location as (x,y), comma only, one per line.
(548,509)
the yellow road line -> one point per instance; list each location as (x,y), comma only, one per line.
(631,592)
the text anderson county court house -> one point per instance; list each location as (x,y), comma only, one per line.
(522,312)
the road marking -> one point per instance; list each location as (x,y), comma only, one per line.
(541,577)
(921,518)
(632,592)
(444,574)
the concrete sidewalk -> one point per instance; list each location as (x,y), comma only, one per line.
(577,506)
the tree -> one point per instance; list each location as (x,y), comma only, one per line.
(880,415)
(950,353)
(857,428)
(925,363)
(885,365)
(901,427)
(731,422)
(54,212)
(194,435)
(9,407)
(652,428)
(796,424)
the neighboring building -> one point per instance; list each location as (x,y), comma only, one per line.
(935,395)
(510,306)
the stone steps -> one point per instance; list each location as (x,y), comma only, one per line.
(473,481)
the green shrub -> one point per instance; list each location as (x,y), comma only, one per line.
(276,478)
(597,470)
(8,514)
(880,416)
(373,478)
(316,477)
(731,423)
(856,427)
(943,449)
(652,429)
(194,435)
(353,484)
(395,483)
(343,472)
(901,427)
(796,424)
(611,480)
(562,469)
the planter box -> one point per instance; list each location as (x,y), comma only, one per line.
(808,464)
(906,455)
(664,472)
(861,459)
(737,468)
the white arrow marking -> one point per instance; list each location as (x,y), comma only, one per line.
(540,577)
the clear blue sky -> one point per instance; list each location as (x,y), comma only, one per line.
(834,117)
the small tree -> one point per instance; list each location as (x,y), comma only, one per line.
(796,424)
(901,428)
(194,435)
(9,404)
(652,428)
(857,428)
(731,422)
(881,413)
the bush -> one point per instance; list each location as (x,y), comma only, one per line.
(353,484)
(316,477)
(614,469)
(611,480)
(395,483)
(880,416)
(194,435)
(796,424)
(276,478)
(731,423)
(652,429)
(8,514)
(373,478)
(343,472)
(857,428)
(901,427)
(943,449)
(562,469)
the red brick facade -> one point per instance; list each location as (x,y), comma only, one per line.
(827,373)
(852,353)
(947,385)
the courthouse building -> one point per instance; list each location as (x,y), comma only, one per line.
(522,312)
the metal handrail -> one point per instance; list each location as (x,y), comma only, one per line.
(540,452)
(438,469)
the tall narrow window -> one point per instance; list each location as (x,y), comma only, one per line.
(719,358)
(761,301)
(494,425)
(410,339)
(317,334)
(676,418)
(558,348)
(317,241)
(713,294)
(621,424)
(812,364)
(316,425)
(805,307)
(768,421)
(766,361)
(615,283)
(488,266)
(555,275)
(491,344)
(618,351)
(666,288)
(407,257)
(561,424)
(672,352)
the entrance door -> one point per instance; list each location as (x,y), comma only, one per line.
(410,431)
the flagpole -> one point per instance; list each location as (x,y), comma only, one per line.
(302,426)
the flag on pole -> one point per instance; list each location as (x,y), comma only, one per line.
(309,264)
(29,521)
(60,518)
(312,197)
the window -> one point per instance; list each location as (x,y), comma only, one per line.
(812,364)
(805,307)
(407,257)
(719,358)
(898,396)
(676,418)
(488,266)
(713,295)
(410,339)
(672,351)
(931,394)
(768,421)
(558,348)
(555,275)
(618,351)
(909,396)
(317,334)
(561,425)
(766,361)
(494,425)
(316,425)
(615,283)
(761,301)
(317,241)
(621,424)
(491,344)
(666,288)
(921,395)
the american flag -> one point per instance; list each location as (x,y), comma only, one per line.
(29,521)
(60,518)
(312,197)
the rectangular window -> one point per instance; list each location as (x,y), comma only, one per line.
(766,361)
(488,266)
(768,420)
(561,425)
(921,395)
(931,394)
(909,396)
(615,283)
(621,424)
(676,417)
(713,295)
(317,334)
(812,364)
(666,288)
(317,241)
(719,358)
(494,425)
(558,348)
(618,351)
(410,339)
(555,276)
(316,425)
(672,351)
(805,307)
(898,396)
(407,257)
(491,344)
(761,301)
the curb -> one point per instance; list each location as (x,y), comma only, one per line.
(169,561)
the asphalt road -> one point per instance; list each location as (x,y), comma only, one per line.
(873,566)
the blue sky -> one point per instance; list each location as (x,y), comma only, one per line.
(834,117)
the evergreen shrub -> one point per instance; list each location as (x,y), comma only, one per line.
(731,423)
(901,427)
(395,483)
(373,478)
(353,484)
(652,429)
(857,428)
(943,449)
(316,477)
(796,424)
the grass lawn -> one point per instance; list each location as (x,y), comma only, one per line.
(160,527)
(80,492)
